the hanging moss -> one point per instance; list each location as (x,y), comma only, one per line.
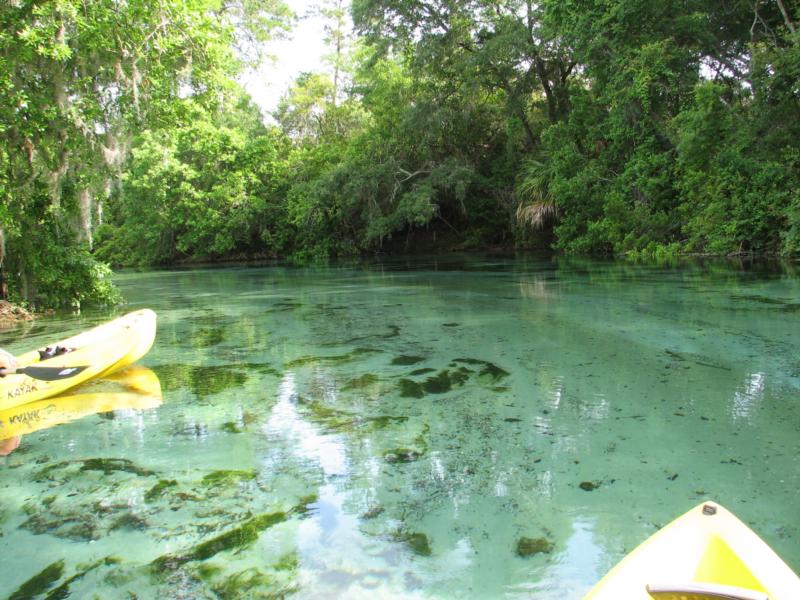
(39,583)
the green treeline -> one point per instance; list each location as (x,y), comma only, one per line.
(587,126)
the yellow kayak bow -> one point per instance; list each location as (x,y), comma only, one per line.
(707,554)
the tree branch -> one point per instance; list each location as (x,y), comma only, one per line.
(786,18)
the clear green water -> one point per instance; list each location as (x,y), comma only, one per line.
(396,430)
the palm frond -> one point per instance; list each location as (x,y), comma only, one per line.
(537,214)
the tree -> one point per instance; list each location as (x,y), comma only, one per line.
(77,78)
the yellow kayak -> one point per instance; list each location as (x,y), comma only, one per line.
(134,387)
(707,554)
(92,354)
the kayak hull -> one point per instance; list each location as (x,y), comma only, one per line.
(102,350)
(708,548)
(132,388)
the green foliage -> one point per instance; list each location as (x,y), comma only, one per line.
(77,80)
(593,126)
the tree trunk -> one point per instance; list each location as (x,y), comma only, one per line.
(3,282)
(786,18)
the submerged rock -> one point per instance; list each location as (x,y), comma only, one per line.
(531,546)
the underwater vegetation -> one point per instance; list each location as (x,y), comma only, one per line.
(234,539)
(39,583)
(206,337)
(342,421)
(407,360)
(227,477)
(417,542)
(403,455)
(445,380)
(359,383)
(110,465)
(532,546)
(336,359)
(203,381)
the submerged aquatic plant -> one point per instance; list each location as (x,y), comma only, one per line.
(110,465)
(39,583)
(417,542)
(227,477)
(531,546)
(239,537)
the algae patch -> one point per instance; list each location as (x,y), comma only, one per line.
(532,546)
(39,583)
(110,465)
(418,543)
(407,360)
(410,389)
(227,477)
(234,539)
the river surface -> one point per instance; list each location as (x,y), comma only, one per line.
(455,428)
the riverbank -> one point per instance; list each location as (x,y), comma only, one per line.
(12,313)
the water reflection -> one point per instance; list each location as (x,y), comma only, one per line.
(459,429)
(120,394)
(748,397)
